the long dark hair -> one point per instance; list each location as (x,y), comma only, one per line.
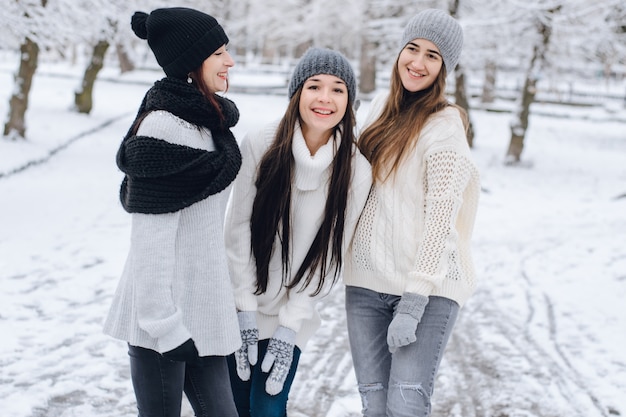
(198,80)
(271,209)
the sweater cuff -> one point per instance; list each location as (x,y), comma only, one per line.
(419,285)
(173,339)
(246,302)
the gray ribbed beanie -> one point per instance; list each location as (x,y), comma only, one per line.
(441,29)
(323,61)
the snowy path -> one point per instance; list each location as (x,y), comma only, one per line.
(544,335)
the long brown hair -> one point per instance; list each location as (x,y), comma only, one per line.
(198,80)
(271,209)
(393,135)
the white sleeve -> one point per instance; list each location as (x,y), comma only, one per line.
(237,235)
(360,187)
(153,240)
(375,110)
(447,173)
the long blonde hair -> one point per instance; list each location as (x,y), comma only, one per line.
(394,134)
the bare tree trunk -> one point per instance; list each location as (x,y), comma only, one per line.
(83,99)
(519,124)
(15,127)
(367,66)
(460,97)
(489,83)
(374,18)
(126,64)
(460,88)
(302,47)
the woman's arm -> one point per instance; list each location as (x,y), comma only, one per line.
(153,240)
(237,235)
(448,170)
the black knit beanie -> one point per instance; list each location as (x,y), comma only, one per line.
(180,38)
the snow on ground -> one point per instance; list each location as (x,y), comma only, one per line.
(543,336)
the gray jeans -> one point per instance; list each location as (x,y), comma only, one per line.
(399,384)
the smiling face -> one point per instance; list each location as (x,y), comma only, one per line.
(323,103)
(419,64)
(215,70)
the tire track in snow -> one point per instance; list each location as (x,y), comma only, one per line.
(325,370)
(505,364)
(552,331)
(62,146)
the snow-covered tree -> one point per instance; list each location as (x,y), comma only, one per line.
(563,35)
(31,32)
(542,20)
(101,32)
(501,38)
(460,84)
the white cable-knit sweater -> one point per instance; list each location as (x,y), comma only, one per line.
(278,306)
(175,283)
(415,231)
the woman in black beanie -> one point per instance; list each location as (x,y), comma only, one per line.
(174,304)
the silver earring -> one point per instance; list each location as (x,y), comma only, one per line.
(189,79)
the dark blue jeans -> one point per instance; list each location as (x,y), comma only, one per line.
(250,396)
(159,384)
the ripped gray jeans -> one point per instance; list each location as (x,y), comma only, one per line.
(399,384)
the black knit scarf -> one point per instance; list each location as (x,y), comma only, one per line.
(163,177)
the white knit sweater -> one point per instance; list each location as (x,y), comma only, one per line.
(415,231)
(277,306)
(175,283)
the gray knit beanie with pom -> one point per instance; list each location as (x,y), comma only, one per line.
(441,29)
(323,61)
(180,38)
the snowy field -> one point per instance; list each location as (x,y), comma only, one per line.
(544,335)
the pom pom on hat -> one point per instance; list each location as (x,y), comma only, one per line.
(138,23)
(441,29)
(180,38)
(323,61)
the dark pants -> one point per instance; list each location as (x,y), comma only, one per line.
(159,384)
(250,396)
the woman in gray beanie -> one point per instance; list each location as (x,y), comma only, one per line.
(174,304)
(292,212)
(410,265)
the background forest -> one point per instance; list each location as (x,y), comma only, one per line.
(544,82)
(571,51)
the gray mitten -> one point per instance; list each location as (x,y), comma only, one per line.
(280,355)
(408,314)
(249,351)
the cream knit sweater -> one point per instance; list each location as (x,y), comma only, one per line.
(277,306)
(414,234)
(175,283)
